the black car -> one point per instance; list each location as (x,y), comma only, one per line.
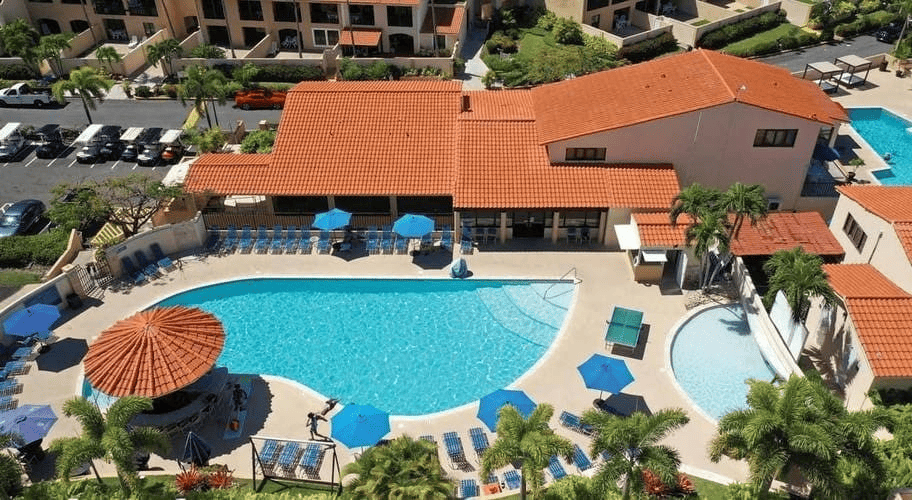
(889,33)
(50,143)
(131,152)
(111,150)
(21,217)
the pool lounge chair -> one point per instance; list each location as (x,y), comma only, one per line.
(9,387)
(401,244)
(262,241)
(278,241)
(580,459)
(148,268)
(288,459)
(479,441)
(161,259)
(291,239)
(269,453)
(373,241)
(212,240)
(624,327)
(323,244)
(231,240)
(13,368)
(386,242)
(8,403)
(130,270)
(246,242)
(446,239)
(513,479)
(573,422)
(555,468)
(468,488)
(312,460)
(429,439)
(454,450)
(305,246)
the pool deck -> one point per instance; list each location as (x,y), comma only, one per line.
(278,408)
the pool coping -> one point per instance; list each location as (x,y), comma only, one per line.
(882,164)
(558,337)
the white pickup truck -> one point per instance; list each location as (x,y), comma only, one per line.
(21,95)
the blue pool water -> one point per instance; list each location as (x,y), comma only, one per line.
(409,347)
(887,133)
(712,356)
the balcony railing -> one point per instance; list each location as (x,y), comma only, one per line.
(819,189)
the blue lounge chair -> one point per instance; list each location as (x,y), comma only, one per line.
(427,241)
(468,488)
(23,353)
(291,239)
(288,460)
(148,268)
(492,479)
(401,244)
(278,241)
(231,240)
(513,479)
(134,274)
(428,438)
(555,468)
(9,387)
(262,241)
(304,244)
(373,242)
(446,239)
(8,403)
(580,459)
(323,244)
(312,458)
(212,240)
(270,452)
(161,259)
(573,422)
(479,441)
(246,242)
(386,242)
(454,449)
(13,368)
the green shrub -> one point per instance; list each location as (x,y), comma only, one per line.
(567,31)
(232,87)
(649,49)
(718,38)
(273,73)
(500,42)
(142,91)
(378,70)
(868,6)
(10,475)
(206,51)
(865,23)
(169,90)
(15,72)
(841,11)
(42,249)
(546,21)
(489,79)
(258,141)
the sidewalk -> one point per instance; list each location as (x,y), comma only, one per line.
(475,68)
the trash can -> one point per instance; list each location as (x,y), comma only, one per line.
(883,65)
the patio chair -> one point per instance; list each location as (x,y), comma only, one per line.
(454,450)
(373,242)
(8,403)
(323,244)
(130,270)
(246,242)
(466,247)
(446,239)
(468,488)
(148,268)
(513,479)
(479,441)
(491,234)
(304,243)
(555,468)
(573,422)
(386,242)
(580,459)
(23,353)
(161,259)
(288,460)
(278,241)
(291,239)
(231,239)
(401,244)
(312,459)
(491,479)
(571,234)
(9,387)
(262,241)
(212,240)
(13,368)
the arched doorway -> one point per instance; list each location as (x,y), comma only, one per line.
(402,44)
(48,27)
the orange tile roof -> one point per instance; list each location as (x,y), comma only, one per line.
(881,313)
(362,37)
(504,105)
(784,231)
(449,20)
(891,203)
(154,352)
(671,86)
(904,233)
(226,173)
(656,230)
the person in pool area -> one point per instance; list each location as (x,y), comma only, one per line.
(330,404)
(312,420)
(239,396)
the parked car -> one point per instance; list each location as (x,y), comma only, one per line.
(90,153)
(889,33)
(111,150)
(12,142)
(49,143)
(21,217)
(260,99)
(130,152)
(150,156)
(21,94)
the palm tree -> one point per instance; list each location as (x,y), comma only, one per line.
(708,232)
(743,200)
(108,54)
(164,52)
(632,445)
(108,437)
(203,84)
(528,442)
(85,82)
(799,276)
(49,48)
(694,199)
(20,39)
(404,468)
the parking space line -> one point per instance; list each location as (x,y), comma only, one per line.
(32,161)
(72,163)
(115,164)
(134,167)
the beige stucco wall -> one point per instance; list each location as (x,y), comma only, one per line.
(567,8)
(882,248)
(10,10)
(713,147)
(64,13)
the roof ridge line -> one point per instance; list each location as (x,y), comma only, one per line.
(733,95)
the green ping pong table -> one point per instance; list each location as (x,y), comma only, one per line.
(624,327)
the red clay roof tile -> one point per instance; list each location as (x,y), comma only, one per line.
(362,37)
(904,233)
(228,173)
(670,86)
(449,20)
(656,230)
(861,281)
(784,231)
(891,203)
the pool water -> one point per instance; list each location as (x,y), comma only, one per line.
(887,133)
(409,347)
(712,356)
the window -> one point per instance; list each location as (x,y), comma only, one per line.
(149,29)
(218,35)
(826,133)
(325,38)
(775,138)
(425,204)
(361,15)
(586,154)
(579,219)
(854,232)
(78,25)
(142,8)
(112,7)
(399,16)
(213,9)
(441,42)
(285,12)
(364,204)
(77,2)
(252,36)
(327,13)
(250,10)
(40,1)
(116,29)
(48,26)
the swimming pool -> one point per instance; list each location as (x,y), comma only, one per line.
(713,354)
(886,133)
(409,347)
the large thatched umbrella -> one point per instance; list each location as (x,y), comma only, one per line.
(154,352)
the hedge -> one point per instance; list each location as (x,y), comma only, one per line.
(865,23)
(795,40)
(42,249)
(278,73)
(649,49)
(377,70)
(718,38)
(16,72)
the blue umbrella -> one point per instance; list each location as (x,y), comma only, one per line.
(334,219)
(413,226)
(605,374)
(28,423)
(31,320)
(360,425)
(490,405)
(196,451)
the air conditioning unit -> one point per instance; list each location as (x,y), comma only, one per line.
(773,204)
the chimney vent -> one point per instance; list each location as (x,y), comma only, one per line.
(466,103)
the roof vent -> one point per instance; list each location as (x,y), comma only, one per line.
(466,103)
(662,75)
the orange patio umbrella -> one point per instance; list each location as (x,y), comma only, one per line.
(154,352)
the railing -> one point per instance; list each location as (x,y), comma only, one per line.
(223,219)
(819,189)
(576,280)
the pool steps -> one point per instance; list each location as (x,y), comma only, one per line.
(521,310)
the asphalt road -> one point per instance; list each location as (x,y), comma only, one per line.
(795,61)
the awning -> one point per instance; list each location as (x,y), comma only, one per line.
(823,152)
(653,255)
(628,236)
(360,37)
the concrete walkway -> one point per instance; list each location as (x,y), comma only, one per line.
(475,68)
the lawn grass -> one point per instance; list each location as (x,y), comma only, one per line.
(783,30)
(14,278)
(709,490)
(700,22)
(535,41)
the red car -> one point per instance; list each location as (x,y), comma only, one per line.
(262,99)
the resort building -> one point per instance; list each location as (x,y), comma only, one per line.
(567,160)
(874,225)
(381,27)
